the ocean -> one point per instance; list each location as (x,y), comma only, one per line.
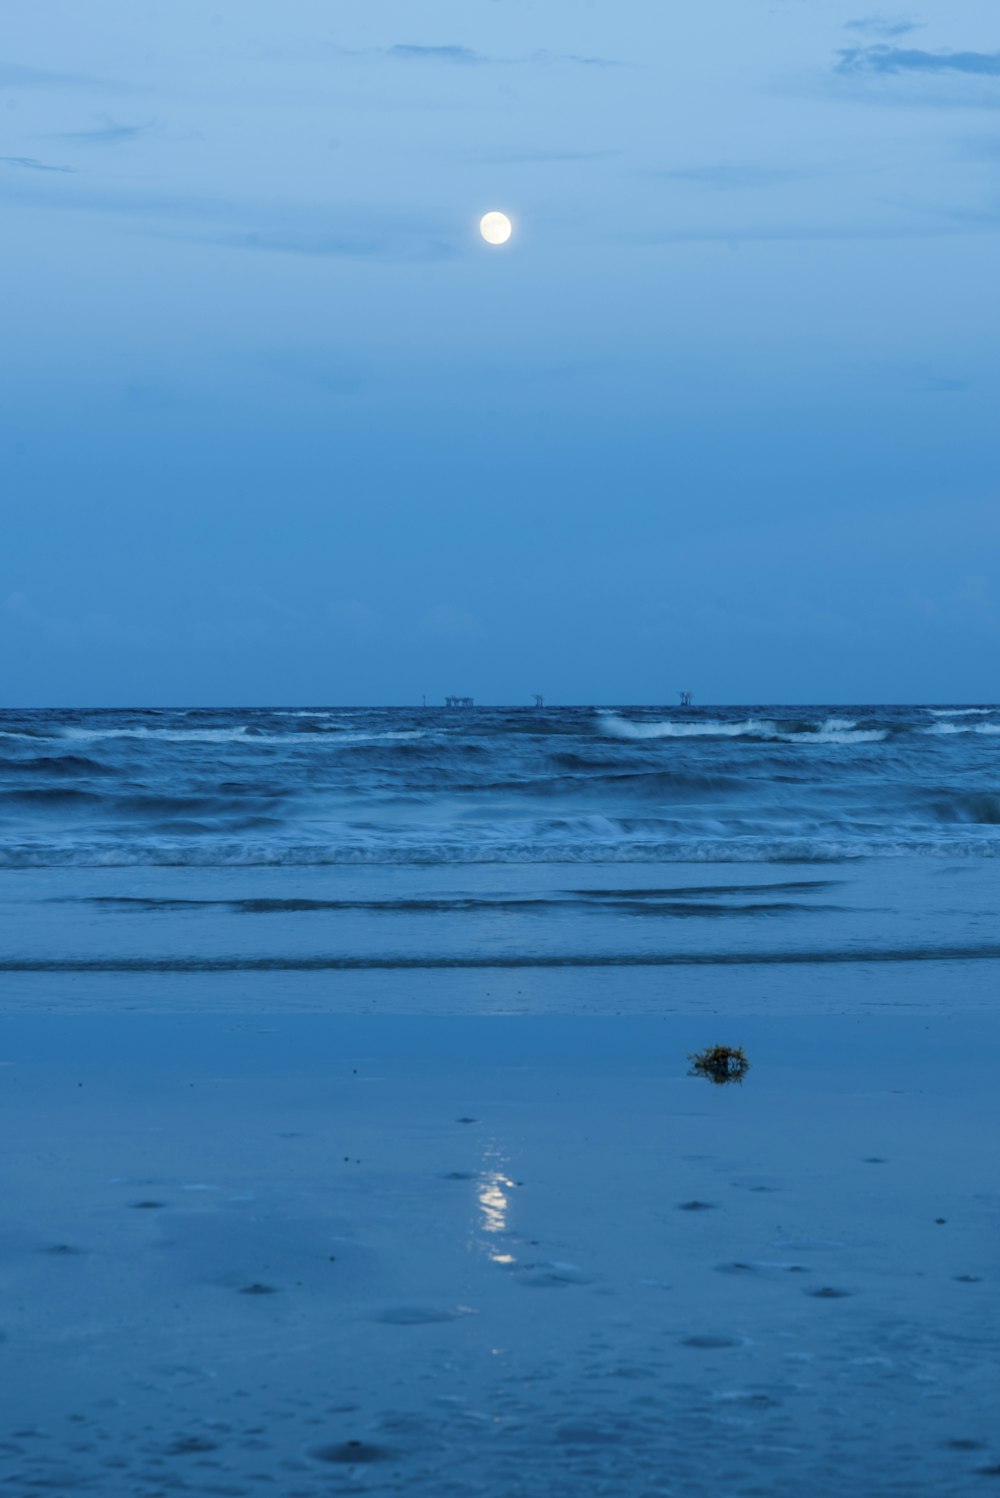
(318,839)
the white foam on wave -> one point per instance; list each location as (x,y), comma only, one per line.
(622,728)
(831,731)
(944,728)
(829,735)
(830,849)
(962,712)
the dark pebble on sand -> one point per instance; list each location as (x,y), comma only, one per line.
(257,1289)
(709,1342)
(828,1293)
(940,1221)
(696,1206)
(347,1453)
(190,1445)
(467,1120)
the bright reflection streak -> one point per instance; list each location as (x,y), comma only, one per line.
(494,1202)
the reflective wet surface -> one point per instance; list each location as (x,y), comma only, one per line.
(498,1256)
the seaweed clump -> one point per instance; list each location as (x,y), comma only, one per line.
(720,1064)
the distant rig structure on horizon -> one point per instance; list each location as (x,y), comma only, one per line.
(469,701)
(687,699)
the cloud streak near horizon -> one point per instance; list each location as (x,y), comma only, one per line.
(31,164)
(887,60)
(469,57)
(881,26)
(109,133)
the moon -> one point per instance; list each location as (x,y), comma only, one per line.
(496,228)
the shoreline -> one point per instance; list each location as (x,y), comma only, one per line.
(931,987)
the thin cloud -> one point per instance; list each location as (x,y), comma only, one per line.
(574,57)
(528,156)
(729,176)
(410,52)
(31,165)
(109,133)
(390,243)
(358,233)
(14,75)
(734,236)
(468,57)
(881,26)
(884,60)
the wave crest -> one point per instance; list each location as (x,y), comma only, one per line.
(829,731)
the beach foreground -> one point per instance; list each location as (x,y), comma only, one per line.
(305,1254)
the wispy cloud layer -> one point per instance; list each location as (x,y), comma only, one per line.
(888,60)
(31,165)
(14,75)
(108,133)
(467,56)
(881,26)
(353,232)
(397,242)
(730,175)
(410,52)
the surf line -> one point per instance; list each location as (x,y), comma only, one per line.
(581,960)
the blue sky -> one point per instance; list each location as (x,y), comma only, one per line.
(275,426)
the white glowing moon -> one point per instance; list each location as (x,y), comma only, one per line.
(496,228)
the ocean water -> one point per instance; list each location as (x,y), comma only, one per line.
(319,839)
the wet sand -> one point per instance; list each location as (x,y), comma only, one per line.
(303,1254)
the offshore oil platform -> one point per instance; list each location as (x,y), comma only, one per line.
(687,699)
(468,701)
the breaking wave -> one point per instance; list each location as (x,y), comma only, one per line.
(323,787)
(829,731)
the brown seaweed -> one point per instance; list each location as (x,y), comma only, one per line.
(721,1064)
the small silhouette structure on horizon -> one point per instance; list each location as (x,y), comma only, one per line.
(687,698)
(458,702)
(539,700)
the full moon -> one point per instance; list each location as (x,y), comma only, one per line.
(496,228)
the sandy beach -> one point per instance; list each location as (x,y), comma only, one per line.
(365,1252)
